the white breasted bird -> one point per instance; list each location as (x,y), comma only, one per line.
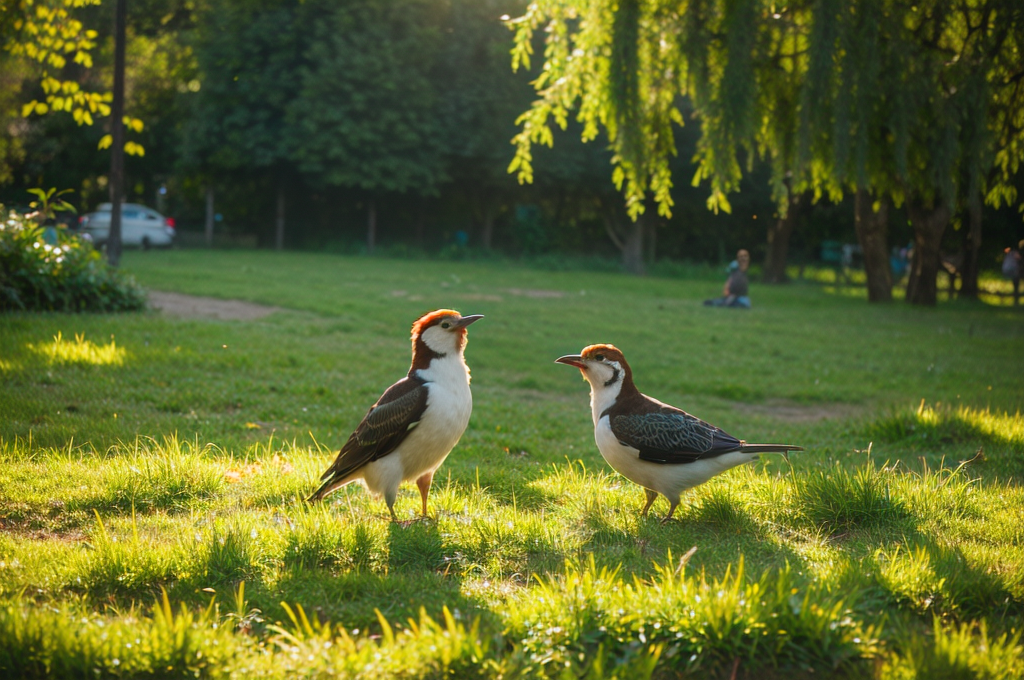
(411,429)
(663,449)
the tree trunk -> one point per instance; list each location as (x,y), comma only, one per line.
(652,240)
(371,226)
(209,217)
(487,233)
(872,228)
(929,221)
(633,247)
(279,221)
(117,138)
(969,273)
(778,241)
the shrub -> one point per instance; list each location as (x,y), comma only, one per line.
(51,269)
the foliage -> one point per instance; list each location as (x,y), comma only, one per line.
(48,268)
(966,651)
(247,56)
(49,203)
(901,97)
(365,114)
(47,33)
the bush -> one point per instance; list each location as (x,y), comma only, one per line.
(51,269)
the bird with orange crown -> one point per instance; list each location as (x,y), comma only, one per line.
(416,423)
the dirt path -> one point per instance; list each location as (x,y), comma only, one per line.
(801,413)
(195,307)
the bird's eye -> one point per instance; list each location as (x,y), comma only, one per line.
(445,325)
(600,357)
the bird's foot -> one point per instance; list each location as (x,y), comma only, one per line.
(671,511)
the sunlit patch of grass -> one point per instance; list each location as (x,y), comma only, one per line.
(123,565)
(239,549)
(695,625)
(169,476)
(505,544)
(316,536)
(722,509)
(947,495)
(909,575)
(44,642)
(422,647)
(956,651)
(79,351)
(942,423)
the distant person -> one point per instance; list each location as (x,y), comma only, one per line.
(736,290)
(1013,268)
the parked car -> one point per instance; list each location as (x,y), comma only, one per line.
(140,226)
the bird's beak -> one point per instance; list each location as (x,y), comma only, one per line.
(466,320)
(571,360)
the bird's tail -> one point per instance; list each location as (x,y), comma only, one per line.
(329,484)
(769,448)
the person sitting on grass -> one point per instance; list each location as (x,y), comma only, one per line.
(1013,269)
(735,292)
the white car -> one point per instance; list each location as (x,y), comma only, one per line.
(140,226)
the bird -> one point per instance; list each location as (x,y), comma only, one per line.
(416,423)
(660,447)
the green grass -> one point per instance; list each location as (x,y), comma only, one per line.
(145,455)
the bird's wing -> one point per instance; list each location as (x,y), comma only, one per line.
(384,427)
(671,436)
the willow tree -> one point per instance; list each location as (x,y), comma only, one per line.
(913,103)
(627,67)
(891,99)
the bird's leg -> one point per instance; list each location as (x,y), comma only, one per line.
(651,497)
(671,509)
(390,496)
(424,484)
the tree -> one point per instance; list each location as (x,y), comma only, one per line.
(117,136)
(887,97)
(47,33)
(631,67)
(248,54)
(610,60)
(477,104)
(364,117)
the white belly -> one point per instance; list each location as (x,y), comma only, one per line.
(669,480)
(449,406)
(440,428)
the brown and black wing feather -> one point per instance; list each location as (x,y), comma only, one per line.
(385,426)
(672,436)
(666,434)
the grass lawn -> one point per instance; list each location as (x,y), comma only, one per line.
(151,521)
